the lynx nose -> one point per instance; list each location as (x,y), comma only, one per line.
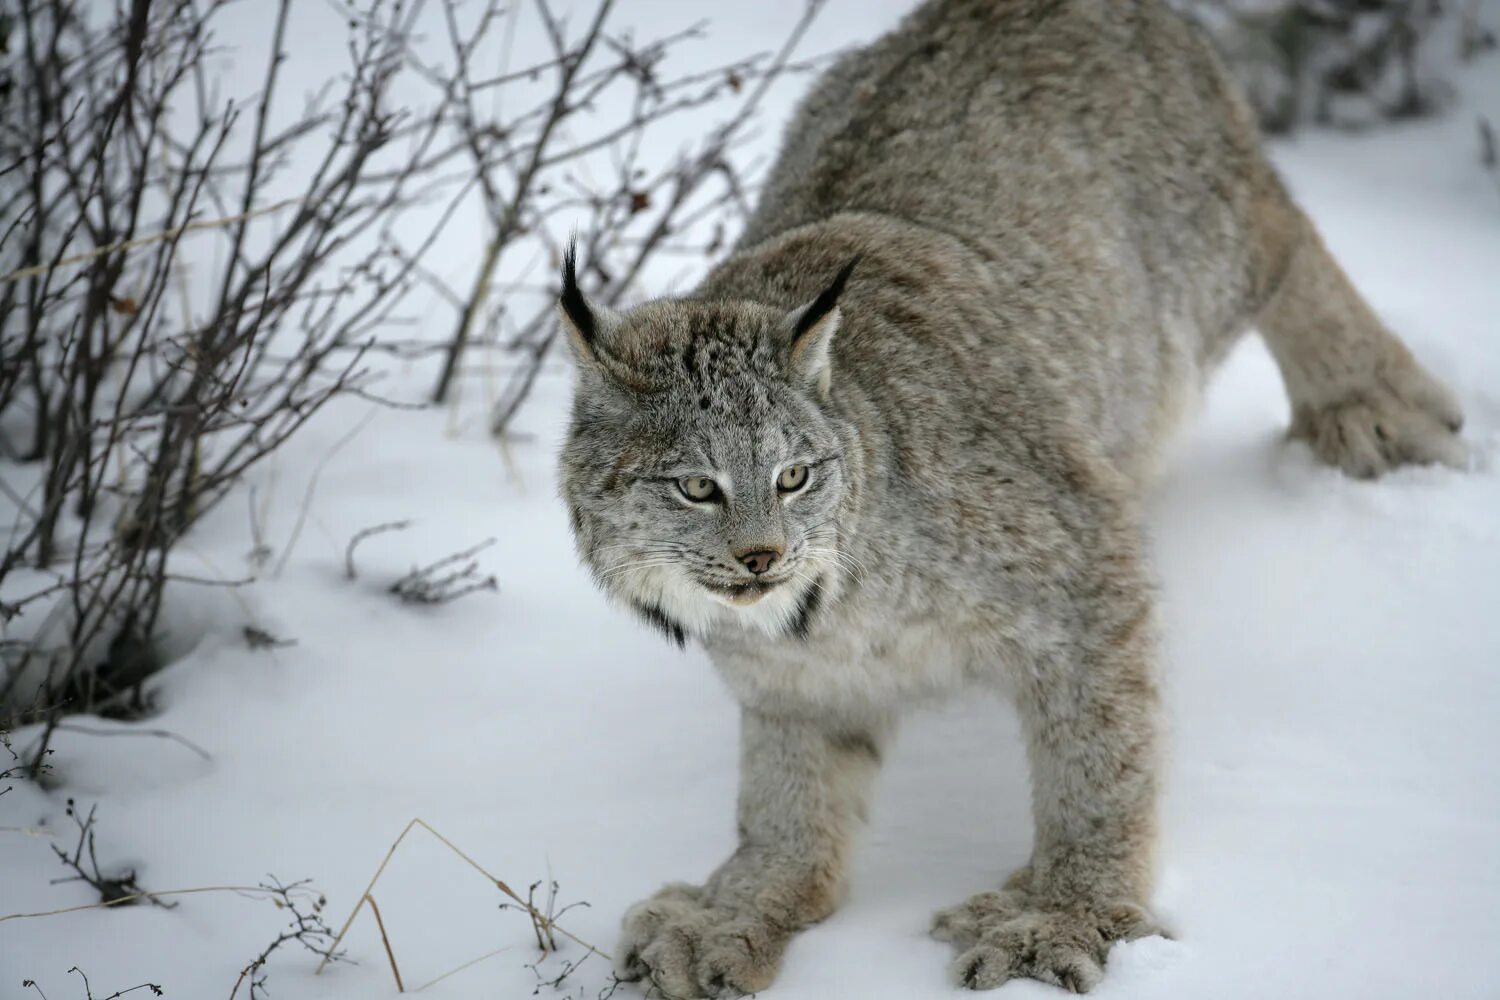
(759,560)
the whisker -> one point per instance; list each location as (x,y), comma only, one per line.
(644,564)
(840,555)
(843,560)
(815,542)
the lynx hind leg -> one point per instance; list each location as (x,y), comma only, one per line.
(1359,398)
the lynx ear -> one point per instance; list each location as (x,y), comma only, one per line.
(810,331)
(589,326)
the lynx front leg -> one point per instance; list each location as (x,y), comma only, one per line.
(1090,723)
(803,789)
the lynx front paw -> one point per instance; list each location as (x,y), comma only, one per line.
(684,948)
(1000,936)
(1403,417)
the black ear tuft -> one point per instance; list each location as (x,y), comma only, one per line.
(826,300)
(572,300)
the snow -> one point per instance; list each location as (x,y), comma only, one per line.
(1332,649)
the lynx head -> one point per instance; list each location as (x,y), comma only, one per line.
(704,469)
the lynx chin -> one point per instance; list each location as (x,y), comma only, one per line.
(895,447)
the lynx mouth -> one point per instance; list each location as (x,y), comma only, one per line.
(741,594)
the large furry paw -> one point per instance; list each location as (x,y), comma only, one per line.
(685,948)
(1001,936)
(1403,416)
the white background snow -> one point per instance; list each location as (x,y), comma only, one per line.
(1331,826)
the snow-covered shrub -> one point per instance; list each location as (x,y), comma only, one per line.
(1349,63)
(186,278)
(177,298)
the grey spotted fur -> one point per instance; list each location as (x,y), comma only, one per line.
(1062,221)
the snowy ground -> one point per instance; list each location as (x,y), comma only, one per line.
(1332,823)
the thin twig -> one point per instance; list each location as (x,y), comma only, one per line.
(385,940)
(364,533)
(312,487)
(306,928)
(165,734)
(111,888)
(496,882)
(467,965)
(128,245)
(126,900)
(424,585)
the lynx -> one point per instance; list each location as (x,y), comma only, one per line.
(895,447)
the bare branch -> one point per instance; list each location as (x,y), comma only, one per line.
(448,579)
(364,533)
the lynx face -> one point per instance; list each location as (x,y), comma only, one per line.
(704,476)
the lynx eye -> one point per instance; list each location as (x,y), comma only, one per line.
(792,478)
(699,489)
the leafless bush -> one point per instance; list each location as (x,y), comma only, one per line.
(447,579)
(544,913)
(543,163)
(258,638)
(114,890)
(1489,150)
(1475,36)
(138,404)
(12,768)
(136,390)
(306,929)
(1340,62)
(88,992)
